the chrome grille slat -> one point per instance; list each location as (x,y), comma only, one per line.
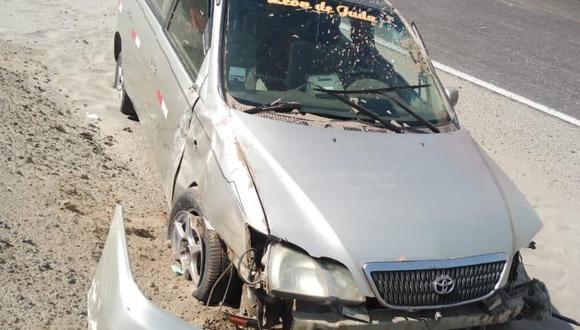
(396,287)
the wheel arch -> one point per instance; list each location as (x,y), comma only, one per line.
(188,199)
(117,45)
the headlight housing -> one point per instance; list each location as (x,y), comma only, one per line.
(295,274)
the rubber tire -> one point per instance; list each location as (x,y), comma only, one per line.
(216,261)
(127,107)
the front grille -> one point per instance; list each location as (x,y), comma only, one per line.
(415,288)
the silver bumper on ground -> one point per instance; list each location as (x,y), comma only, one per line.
(114,299)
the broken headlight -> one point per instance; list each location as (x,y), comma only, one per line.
(292,273)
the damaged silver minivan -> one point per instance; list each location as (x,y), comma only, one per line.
(317,173)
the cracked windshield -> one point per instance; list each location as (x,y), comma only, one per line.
(335,59)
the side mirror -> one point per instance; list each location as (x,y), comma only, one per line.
(452,95)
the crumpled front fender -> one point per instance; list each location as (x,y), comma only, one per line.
(114,299)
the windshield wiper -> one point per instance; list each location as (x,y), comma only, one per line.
(275,106)
(384,91)
(336,94)
(380,90)
(415,115)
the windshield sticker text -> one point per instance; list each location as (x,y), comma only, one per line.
(323,7)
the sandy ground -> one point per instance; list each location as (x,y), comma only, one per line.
(542,156)
(65,48)
(59,175)
(62,171)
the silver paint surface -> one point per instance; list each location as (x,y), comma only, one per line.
(114,299)
(353,197)
(376,198)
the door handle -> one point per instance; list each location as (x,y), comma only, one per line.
(153,67)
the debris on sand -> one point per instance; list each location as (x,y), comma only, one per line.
(73,208)
(140,232)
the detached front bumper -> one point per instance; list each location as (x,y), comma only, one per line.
(528,301)
(114,300)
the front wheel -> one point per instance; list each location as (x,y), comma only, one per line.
(200,253)
(127,107)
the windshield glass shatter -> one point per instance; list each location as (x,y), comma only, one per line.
(288,50)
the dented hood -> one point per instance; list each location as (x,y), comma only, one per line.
(366,197)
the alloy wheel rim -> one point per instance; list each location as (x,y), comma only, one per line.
(187,246)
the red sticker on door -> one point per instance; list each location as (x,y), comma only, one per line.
(135,38)
(161,103)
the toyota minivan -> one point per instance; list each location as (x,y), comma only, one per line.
(316,171)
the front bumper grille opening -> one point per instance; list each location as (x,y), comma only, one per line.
(414,288)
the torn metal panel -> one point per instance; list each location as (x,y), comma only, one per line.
(529,301)
(459,319)
(225,186)
(114,299)
(213,159)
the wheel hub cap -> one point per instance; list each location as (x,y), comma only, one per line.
(187,246)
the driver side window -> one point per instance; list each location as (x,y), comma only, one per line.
(161,7)
(186,28)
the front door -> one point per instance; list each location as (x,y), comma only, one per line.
(178,58)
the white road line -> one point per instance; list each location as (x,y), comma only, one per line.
(508,94)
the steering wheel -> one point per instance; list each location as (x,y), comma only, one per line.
(269,80)
(366,83)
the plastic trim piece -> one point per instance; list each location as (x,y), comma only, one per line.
(114,299)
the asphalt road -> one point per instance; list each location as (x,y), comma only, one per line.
(529,47)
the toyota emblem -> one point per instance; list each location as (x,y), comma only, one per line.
(443,285)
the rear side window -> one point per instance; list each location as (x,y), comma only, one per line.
(186,29)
